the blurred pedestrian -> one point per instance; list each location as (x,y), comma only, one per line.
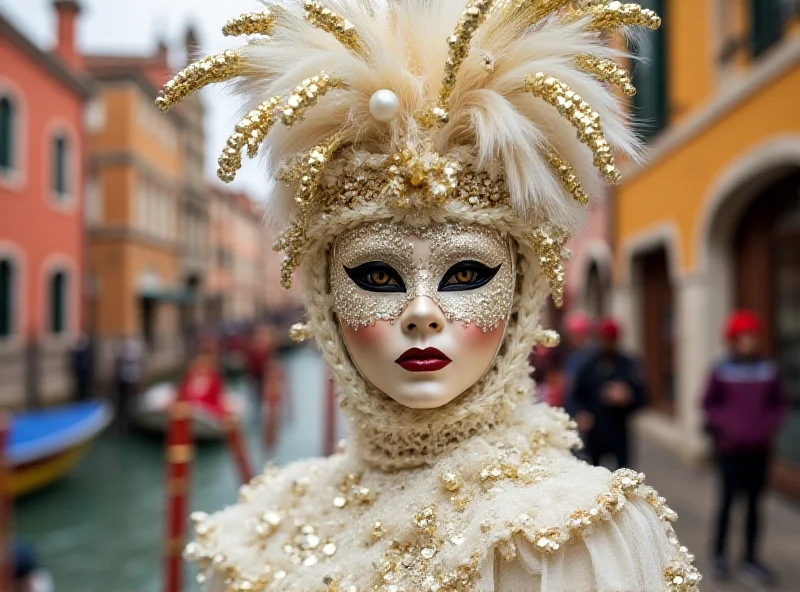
(82,365)
(128,375)
(608,388)
(202,384)
(578,331)
(744,405)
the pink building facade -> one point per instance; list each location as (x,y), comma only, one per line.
(42,248)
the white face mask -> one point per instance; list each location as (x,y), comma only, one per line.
(422,310)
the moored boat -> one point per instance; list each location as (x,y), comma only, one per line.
(152,412)
(45,444)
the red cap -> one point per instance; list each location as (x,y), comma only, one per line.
(579,323)
(741,321)
(609,329)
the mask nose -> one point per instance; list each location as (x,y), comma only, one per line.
(422,317)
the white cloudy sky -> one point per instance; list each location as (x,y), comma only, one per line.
(134,26)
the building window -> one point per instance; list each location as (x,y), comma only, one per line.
(8,121)
(651,102)
(94,201)
(58,302)
(60,165)
(766,18)
(7,289)
(95,115)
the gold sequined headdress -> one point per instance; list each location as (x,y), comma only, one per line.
(502,104)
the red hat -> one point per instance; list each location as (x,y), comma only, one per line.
(741,321)
(579,322)
(609,329)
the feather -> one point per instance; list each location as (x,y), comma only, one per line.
(402,46)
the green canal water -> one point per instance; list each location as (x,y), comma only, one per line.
(100,529)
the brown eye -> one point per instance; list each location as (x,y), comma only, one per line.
(467,275)
(380,278)
(376,276)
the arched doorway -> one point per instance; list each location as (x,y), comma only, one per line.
(766,257)
(657,322)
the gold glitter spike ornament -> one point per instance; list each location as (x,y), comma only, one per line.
(607,71)
(305,96)
(259,22)
(549,248)
(613,15)
(326,19)
(250,132)
(568,177)
(213,69)
(459,43)
(582,117)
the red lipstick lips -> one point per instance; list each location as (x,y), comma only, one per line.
(429,359)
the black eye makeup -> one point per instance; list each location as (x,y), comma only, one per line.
(467,275)
(376,276)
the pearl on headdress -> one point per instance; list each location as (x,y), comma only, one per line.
(384,105)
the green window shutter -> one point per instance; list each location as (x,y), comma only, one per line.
(60,160)
(6,133)
(6,298)
(766,24)
(651,103)
(58,303)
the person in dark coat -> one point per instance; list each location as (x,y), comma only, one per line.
(744,406)
(82,364)
(578,329)
(608,388)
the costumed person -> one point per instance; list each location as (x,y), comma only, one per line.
(609,387)
(202,384)
(431,160)
(744,405)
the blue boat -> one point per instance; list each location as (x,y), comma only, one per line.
(45,444)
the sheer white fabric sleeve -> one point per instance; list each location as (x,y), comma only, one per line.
(628,553)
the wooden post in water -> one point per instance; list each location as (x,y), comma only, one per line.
(6,508)
(180,450)
(271,403)
(236,444)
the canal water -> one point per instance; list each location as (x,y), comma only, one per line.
(100,529)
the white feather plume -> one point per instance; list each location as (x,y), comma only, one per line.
(491,114)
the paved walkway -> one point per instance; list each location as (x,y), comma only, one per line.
(691,492)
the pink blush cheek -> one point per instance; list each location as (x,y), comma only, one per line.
(367,336)
(473,336)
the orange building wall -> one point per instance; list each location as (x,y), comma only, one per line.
(689,55)
(27,219)
(674,188)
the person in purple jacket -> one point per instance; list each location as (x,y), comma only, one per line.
(744,405)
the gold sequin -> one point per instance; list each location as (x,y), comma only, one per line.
(566,174)
(299,332)
(613,15)
(451,481)
(549,249)
(459,43)
(250,133)
(216,68)
(607,71)
(582,117)
(259,22)
(326,19)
